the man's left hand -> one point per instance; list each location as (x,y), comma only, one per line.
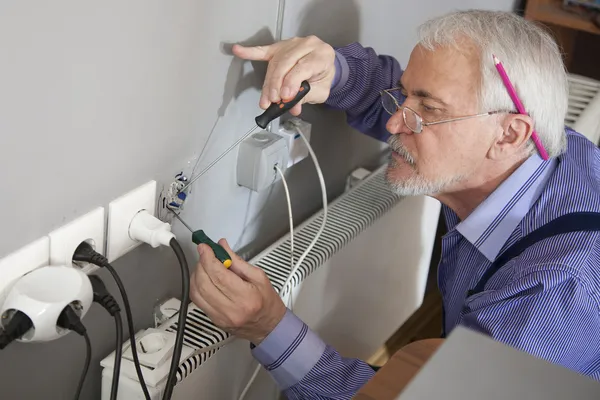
(240,300)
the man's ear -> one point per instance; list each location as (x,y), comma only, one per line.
(516,132)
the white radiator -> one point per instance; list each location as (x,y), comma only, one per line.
(584,107)
(361,281)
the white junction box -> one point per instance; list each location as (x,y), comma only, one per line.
(298,150)
(257,158)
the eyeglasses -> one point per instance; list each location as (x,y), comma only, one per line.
(412,119)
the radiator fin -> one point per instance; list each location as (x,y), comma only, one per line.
(582,91)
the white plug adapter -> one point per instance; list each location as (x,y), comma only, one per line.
(147,228)
(131,222)
(298,150)
(42,295)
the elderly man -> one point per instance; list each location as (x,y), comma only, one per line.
(521,260)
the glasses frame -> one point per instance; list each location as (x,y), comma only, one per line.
(420,121)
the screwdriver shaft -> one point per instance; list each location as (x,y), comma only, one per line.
(205,170)
(181,220)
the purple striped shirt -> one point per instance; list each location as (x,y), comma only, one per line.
(545,302)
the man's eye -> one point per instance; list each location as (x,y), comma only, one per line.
(428,108)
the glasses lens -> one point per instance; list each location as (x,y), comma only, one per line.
(412,120)
(389,101)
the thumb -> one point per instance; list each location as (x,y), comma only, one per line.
(256,53)
(206,254)
(240,267)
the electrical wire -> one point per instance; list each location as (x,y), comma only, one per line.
(118,356)
(291,218)
(108,302)
(86,366)
(136,360)
(185,294)
(308,249)
(323,223)
(290,215)
(212,130)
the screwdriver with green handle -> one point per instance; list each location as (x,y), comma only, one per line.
(199,237)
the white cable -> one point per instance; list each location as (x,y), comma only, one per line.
(250,382)
(308,249)
(289,203)
(322,227)
(290,215)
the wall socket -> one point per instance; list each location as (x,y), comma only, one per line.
(120,213)
(65,240)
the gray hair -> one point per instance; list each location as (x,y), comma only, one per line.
(530,56)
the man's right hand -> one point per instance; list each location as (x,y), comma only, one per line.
(291,62)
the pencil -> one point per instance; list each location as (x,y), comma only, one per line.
(515,98)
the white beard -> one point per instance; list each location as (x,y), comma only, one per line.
(416,184)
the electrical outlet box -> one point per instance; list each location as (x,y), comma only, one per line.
(120,213)
(257,158)
(15,265)
(64,240)
(154,348)
(298,150)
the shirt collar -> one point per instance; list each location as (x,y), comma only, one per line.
(490,225)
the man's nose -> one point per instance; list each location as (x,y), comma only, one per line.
(396,125)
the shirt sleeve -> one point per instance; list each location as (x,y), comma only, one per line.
(361,75)
(305,367)
(547,313)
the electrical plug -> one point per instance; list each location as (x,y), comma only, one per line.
(68,319)
(102,297)
(147,228)
(17,326)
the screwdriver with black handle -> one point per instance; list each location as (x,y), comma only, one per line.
(275,110)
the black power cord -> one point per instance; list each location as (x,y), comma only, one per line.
(68,319)
(85,253)
(185,295)
(18,325)
(102,297)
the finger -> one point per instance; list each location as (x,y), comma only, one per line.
(225,280)
(257,53)
(205,287)
(250,273)
(278,68)
(238,265)
(209,310)
(297,109)
(254,53)
(264,102)
(304,70)
(234,257)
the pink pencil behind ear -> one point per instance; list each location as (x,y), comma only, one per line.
(515,98)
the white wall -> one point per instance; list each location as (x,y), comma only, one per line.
(97,98)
